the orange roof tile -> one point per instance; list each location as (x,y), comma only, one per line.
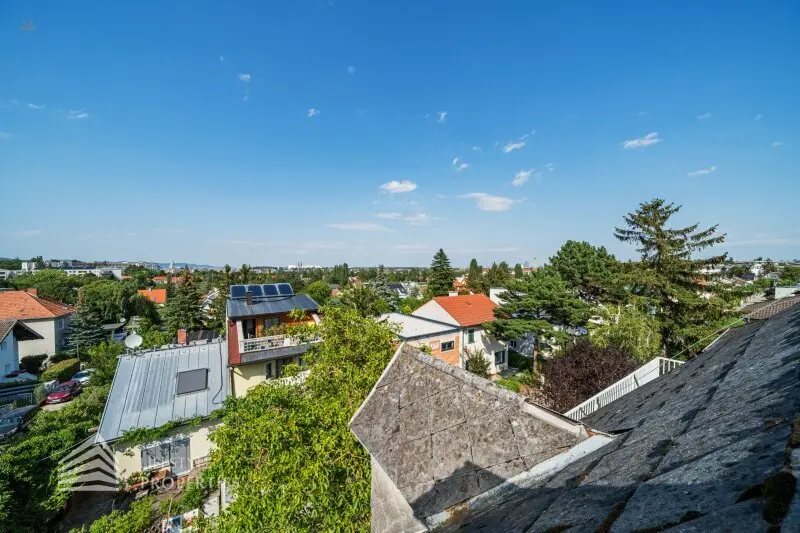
(468,309)
(20,305)
(157,296)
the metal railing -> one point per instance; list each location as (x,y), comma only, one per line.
(269,343)
(644,374)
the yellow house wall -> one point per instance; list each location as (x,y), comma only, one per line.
(245,377)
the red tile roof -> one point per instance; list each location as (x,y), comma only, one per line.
(19,305)
(157,296)
(468,309)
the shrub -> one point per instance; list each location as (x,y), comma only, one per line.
(511,384)
(39,393)
(32,363)
(583,371)
(476,362)
(62,356)
(61,371)
(139,517)
(519,361)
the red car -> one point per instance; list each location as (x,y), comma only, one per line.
(64,392)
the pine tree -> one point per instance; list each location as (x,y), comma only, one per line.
(518,272)
(184,310)
(385,292)
(475,277)
(84,331)
(670,279)
(442,276)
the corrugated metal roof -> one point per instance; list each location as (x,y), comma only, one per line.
(239,308)
(143,393)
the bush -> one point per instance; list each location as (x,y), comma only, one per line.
(61,371)
(32,363)
(510,384)
(139,517)
(476,362)
(519,361)
(39,393)
(62,356)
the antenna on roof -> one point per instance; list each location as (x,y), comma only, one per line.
(133,341)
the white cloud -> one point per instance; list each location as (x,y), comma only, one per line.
(489,202)
(418,219)
(313,112)
(441,196)
(641,114)
(702,171)
(642,142)
(390,216)
(245,77)
(4,135)
(351,70)
(26,233)
(442,117)
(34,106)
(359,226)
(412,248)
(521,176)
(704,116)
(550,167)
(758,117)
(476,148)
(395,186)
(510,147)
(459,165)
(221,59)
(777,144)
(77,115)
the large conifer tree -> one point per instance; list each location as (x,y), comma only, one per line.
(441,277)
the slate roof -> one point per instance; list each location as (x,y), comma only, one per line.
(143,393)
(444,435)
(468,309)
(20,305)
(694,450)
(270,306)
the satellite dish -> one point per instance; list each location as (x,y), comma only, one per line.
(133,341)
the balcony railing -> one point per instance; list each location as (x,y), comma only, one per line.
(268,343)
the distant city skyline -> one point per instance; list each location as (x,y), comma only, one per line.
(366,132)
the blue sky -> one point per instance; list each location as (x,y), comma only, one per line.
(374,132)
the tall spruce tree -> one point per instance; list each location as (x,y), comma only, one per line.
(441,277)
(475,277)
(518,272)
(184,310)
(686,305)
(84,331)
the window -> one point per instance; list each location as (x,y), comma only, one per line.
(269,370)
(155,456)
(192,381)
(512,344)
(471,336)
(172,452)
(271,322)
(500,357)
(447,346)
(60,323)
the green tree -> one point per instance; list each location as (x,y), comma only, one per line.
(103,358)
(84,331)
(364,300)
(219,308)
(475,361)
(293,442)
(244,274)
(669,277)
(474,280)
(51,284)
(111,300)
(769,267)
(518,272)
(631,329)
(790,275)
(542,304)
(589,269)
(497,276)
(319,291)
(441,277)
(184,309)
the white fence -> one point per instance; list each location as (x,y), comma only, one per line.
(645,374)
(268,343)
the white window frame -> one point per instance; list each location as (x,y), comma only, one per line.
(445,343)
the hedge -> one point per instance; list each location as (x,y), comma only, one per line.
(61,371)
(32,363)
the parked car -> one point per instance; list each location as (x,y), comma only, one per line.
(15,420)
(84,376)
(64,392)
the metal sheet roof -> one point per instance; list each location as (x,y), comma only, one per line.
(143,393)
(271,306)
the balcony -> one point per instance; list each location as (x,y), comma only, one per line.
(259,344)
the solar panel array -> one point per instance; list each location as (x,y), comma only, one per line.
(271,290)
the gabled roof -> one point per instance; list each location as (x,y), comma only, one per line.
(468,309)
(21,331)
(144,391)
(443,435)
(415,327)
(19,305)
(710,446)
(157,296)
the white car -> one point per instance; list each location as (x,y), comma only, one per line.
(84,376)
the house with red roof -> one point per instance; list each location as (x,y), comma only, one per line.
(469,312)
(49,319)
(157,296)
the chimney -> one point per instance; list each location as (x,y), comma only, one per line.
(32,291)
(182,337)
(249,296)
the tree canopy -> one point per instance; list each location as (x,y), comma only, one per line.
(184,308)
(441,276)
(589,269)
(319,291)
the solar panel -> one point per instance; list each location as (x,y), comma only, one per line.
(238,291)
(270,290)
(256,290)
(192,381)
(285,289)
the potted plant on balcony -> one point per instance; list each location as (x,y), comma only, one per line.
(260,331)
(279,329)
